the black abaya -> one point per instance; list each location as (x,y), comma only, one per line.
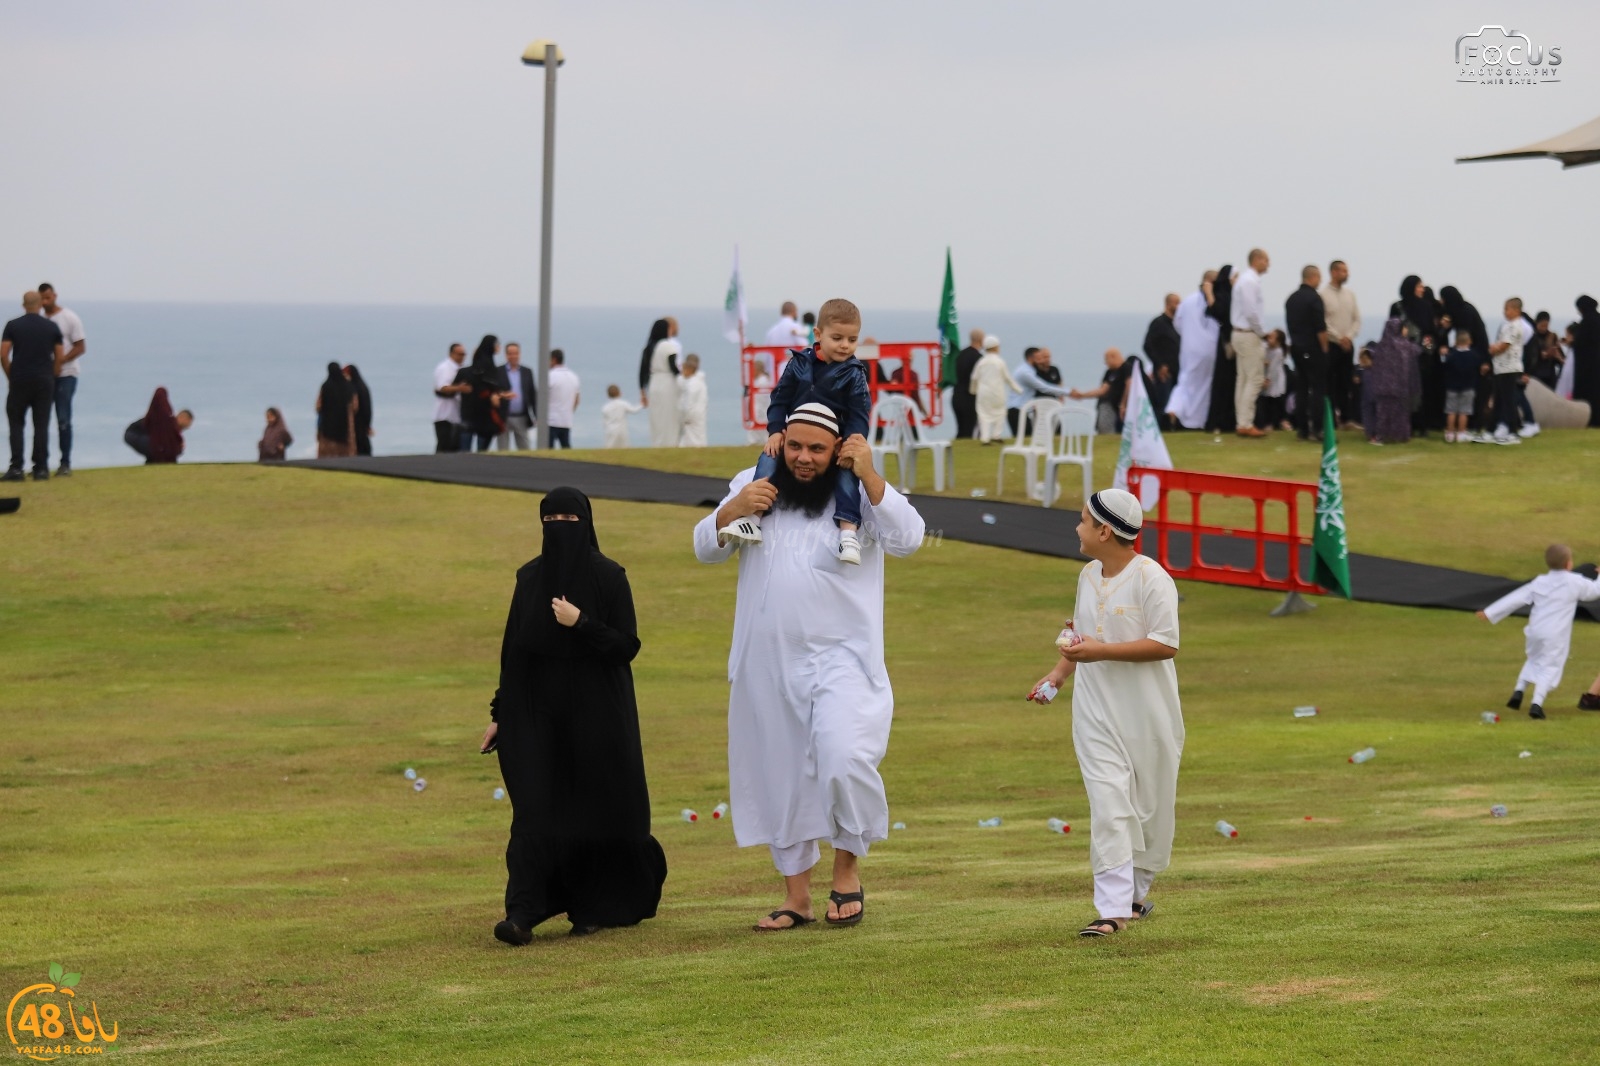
(569,739)
(1224,374)
(1586,357)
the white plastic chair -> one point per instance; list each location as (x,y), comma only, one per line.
(944,462)
(1071,444)
(1035,422)
(892,414)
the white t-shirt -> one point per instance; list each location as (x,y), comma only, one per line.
(789,333)
(563,386)
(71,327)
(448,408)
(1513,331)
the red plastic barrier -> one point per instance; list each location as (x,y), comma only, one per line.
(922,358)
(1260,491)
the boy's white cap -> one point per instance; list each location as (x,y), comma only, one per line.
(991,343)
(815,414)
(1119,509)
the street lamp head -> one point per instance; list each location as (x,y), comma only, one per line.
(533,55)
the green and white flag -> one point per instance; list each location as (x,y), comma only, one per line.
(1142,442)
(734,316)
(1330,555)
(949,332)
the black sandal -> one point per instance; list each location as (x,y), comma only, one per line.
(1101,927)
(796,921)
(841,898)
(1142,910)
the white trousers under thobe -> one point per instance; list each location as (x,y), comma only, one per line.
(1116,890)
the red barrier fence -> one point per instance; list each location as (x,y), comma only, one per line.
(1260,491)
(908,368)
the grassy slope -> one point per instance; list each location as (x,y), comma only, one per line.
(1473,506)
(212,678)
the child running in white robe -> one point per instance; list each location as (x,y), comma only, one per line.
(614,417)
(1127,726)
(1554,599)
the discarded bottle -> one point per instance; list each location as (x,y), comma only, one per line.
(1489,717)
(1227,830)
(419,784)
(1525,755)
(1363,755)
(1305,712)
(978,494)
(499,793)
(898,825)
(719,811)
(689,816)
(1069,636)
(1057,825)
(1498,810)
(988,823)
(411,775)
(989,519)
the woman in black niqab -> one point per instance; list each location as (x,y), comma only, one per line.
(1220,417)
(335,415)
(480,408)
(363,395)
(1586,357)
(566,725)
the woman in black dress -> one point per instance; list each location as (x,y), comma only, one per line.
(567,730)
(480,407)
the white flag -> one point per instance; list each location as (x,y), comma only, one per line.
(734,318)
(1142,443)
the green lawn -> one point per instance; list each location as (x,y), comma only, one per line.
(213,677)
(1473,506)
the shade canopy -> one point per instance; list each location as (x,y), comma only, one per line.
(1575,148)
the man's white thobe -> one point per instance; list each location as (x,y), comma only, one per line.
(1554,598)
(809,703)
(1127,729)
(1197,356)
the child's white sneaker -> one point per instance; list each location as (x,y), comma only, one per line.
(743,530)
(849,547)
(1529,429)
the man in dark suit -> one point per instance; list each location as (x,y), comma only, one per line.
(521,399)
(962,401)
(1308,341)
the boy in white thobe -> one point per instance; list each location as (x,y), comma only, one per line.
(1554,599)
(1127,726)
(692,405)
(809,705)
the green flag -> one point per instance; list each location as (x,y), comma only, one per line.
(1330,554)
(949,332)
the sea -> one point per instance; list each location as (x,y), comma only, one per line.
(229,362)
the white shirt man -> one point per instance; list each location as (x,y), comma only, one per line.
(447,403)
(810,705)
(1246,314)
(563,384)
(66,385)
(787,331)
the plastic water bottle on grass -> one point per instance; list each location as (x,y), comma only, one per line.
(898,825)
(1498,810)
(1305,712)
(419,784)
(1489,718)
(989,823)
(1227,830)
(1057,825)
(499,793)
(411,775)
(719,812)
(689,816)
(1363,755)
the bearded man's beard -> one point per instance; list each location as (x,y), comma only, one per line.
(809,496)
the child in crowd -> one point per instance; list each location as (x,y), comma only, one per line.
(1554,598)
(692,404)
(1127,724)
(830,374)
(1270,413)
(1506,353)
(614,417)
(1460,385)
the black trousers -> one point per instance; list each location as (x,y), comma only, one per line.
(444,437)
(561,436)
(966,409)
(33,394)
(1507,391)
(1311,381)
(1345,397)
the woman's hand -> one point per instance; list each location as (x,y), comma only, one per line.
(566,613)
(488,737)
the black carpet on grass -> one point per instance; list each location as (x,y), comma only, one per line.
(1024,527)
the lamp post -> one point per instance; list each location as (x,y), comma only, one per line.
(544,53)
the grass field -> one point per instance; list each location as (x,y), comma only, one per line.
(214,676)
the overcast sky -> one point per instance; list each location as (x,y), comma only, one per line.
(1074,157)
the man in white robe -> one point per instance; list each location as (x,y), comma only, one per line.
(809,705)
(1127,725)
(1554,598)
(1197,356)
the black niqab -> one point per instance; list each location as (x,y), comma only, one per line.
(1464,316)
(363,396)
(1586,357)
(1418,310)
(333,408)
(566,563)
